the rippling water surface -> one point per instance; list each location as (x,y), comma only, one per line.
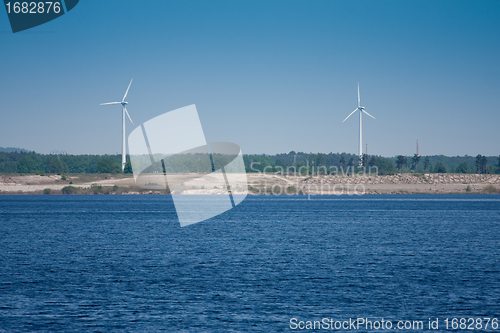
(123,263)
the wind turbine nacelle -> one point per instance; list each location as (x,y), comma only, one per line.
(124,103)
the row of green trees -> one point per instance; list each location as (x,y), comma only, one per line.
(440,166)
(385,165)
(32,163)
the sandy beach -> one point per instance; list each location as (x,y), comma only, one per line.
(265,184)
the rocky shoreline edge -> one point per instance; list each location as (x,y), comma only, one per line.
(264,184)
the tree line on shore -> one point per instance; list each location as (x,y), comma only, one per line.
(24,162)
(380,165)
(33,163)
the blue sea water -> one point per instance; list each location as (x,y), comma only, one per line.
(123,263)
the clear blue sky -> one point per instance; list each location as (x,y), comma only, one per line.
(271,76)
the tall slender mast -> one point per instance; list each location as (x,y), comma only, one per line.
(360,137)
(124,151)
(360,131)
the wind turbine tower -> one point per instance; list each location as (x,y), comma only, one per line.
(361,110)
(124,111)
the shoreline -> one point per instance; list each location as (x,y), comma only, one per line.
(261,184)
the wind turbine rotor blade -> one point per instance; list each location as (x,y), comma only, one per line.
(125,96)
(368,114)
(111,103)
(350,114)
(128,115)
(358,95)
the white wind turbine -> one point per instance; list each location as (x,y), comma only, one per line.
(124,111)
(361,110)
